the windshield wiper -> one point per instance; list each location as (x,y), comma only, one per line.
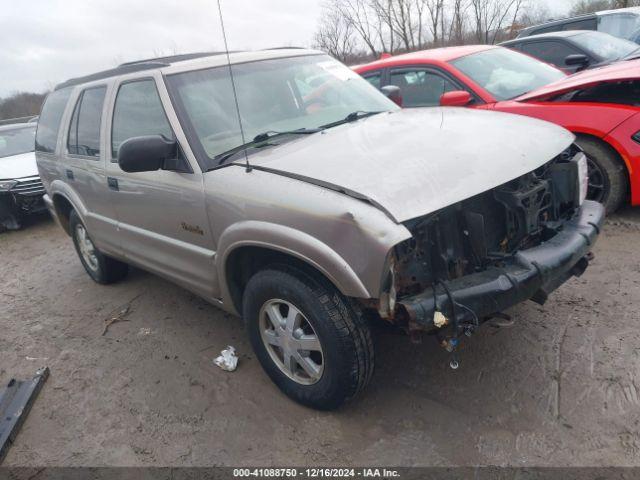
(261,138)
(352,117)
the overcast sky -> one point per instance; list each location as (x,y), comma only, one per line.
(45,42)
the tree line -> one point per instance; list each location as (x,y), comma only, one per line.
(21,104)
(358,30)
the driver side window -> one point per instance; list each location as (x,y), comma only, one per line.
(138,112)
(421,88)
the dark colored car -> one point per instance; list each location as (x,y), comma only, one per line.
(576,50)
(621,23)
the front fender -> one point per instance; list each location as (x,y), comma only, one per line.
(292,242)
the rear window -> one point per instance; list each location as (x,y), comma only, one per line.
(84,131)
(49,121)
(604,46)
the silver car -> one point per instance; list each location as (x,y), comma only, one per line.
(297,196)
(21,190)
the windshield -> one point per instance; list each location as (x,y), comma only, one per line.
(17,140)
(278,95)
(622,25)
(606,47)
(506,74)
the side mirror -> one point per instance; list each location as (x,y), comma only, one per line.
(577,59)
(456,98)
(393,93)
(146,154)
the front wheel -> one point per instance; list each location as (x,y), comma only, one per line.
(608,183)
(100,267)
(311,341)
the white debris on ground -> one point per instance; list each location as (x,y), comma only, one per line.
(227,360)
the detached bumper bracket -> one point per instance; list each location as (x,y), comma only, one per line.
(15,402)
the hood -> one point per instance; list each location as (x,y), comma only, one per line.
(415,161)
(18,166)
(621,70)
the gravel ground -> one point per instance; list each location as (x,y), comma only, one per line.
(560,387)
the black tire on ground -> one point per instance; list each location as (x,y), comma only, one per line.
(107,270)
(343,334)
(613,172)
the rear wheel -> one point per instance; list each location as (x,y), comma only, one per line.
(311,341)
(608,181)
(100,267)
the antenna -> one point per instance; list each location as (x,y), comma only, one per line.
(233,86)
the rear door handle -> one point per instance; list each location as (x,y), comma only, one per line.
(113,183)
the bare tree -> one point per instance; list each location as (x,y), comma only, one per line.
(435,11)
(458,26)
(492,16)
(534,15)
(397,16)
(580,7)
(335,35)
(359,15)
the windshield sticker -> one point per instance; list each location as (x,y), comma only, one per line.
(338,71)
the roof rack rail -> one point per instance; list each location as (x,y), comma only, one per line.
(136,67)
(283,48)
(175,58)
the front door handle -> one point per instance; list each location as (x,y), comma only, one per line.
(113,183)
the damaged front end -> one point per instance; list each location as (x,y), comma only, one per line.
(19,198)
(472,260)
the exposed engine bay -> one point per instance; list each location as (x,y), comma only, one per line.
(467,237)
(471,243)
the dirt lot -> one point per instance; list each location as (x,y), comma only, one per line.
(560,387)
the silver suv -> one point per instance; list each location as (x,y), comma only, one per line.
(298,196)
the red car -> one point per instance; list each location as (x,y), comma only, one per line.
(601,106)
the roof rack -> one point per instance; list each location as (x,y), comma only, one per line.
(175,58)
(136,66)
(283,48)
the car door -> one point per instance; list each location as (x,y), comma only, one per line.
(422,87)
(161,214)
(84,166)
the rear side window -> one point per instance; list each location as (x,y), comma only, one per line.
(551,52)
(84,131)
(586,24)
(374,79)
(49,121)
(138,112)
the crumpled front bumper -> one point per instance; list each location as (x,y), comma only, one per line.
(530,274)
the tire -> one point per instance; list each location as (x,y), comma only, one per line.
(605,169)
(100,267)
(346,357)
